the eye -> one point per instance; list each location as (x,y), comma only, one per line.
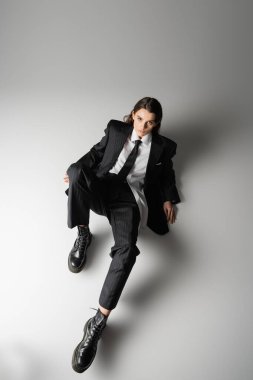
(139,118)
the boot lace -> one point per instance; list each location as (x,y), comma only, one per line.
(81,241)
(94,334)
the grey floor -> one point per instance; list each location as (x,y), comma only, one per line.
(68,68)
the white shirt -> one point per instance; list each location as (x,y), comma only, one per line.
(136,175)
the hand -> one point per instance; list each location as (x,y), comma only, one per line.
(66,178)
(169,212)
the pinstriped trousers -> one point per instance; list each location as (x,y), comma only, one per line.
(116,201)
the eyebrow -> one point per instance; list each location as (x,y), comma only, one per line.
(147,120)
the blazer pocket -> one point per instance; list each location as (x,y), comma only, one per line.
(158,164)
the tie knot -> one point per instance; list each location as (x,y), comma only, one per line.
(138,142)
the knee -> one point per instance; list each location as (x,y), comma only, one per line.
(126,254)
(74,172)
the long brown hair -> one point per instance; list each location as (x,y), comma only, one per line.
(151,105)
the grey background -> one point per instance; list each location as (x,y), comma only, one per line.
(67,68)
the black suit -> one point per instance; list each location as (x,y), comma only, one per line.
(159,183)
(91,187)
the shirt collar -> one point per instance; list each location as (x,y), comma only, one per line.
(145,139)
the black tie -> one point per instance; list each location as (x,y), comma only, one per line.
(123,173)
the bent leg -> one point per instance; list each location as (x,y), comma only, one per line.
(81,197)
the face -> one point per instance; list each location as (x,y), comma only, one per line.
(143,122)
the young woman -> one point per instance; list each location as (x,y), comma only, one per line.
(129,178)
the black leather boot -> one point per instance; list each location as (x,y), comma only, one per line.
(77,256)
(85,352)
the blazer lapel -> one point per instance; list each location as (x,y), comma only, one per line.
(120,140)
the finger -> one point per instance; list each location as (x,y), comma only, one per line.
(167,213)
(169,218)
(172,216)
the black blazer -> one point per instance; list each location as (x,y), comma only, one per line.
(159,183)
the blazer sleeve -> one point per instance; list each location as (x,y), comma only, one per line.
(169,189)
(95,155)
